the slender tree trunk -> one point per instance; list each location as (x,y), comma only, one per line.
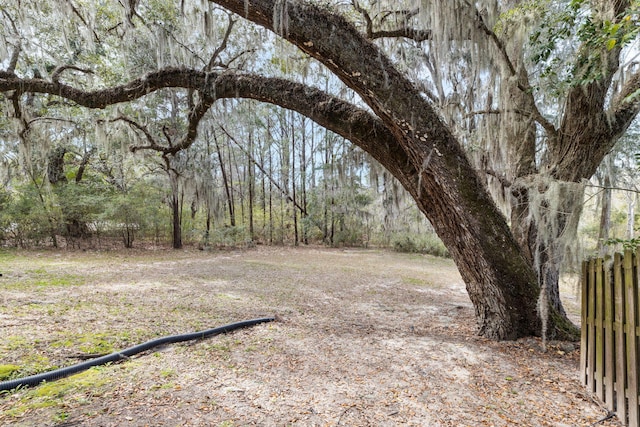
(240,176)
(250,173)
(176,216)
(303,181)
(270,155)
(231,195)
(296,238)
(605,213)
(225,181)
(83,164)
(263,186)
(332,201)
(325,187)
(631,213)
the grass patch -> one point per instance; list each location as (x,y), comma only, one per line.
(88,343)
(413,281)
(41,278)
(7,255)
(7,371)
(34,364)
(14,342)
(56,393)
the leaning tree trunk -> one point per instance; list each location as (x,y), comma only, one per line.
(429,162)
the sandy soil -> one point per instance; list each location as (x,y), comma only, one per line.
(362,338)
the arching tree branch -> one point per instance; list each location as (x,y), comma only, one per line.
(341,117)
(450,192)
(403,31)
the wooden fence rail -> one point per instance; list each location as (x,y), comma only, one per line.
(610,346)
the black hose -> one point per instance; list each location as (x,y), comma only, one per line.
(57,374)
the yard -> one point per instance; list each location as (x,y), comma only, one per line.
(362,338)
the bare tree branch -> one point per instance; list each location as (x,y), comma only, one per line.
(235,58)
(151,142)
(365,15)
(50,119)
(55,76)
(406,14)
(404,31)
(223,45)
(409,33)
(13,62)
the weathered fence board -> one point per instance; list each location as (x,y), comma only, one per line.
(610,344)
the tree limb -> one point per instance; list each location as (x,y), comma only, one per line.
(55,76)
(625,106)
(341,117)
(151,142)
(13,62)
(404,31)
(222,46)
(409,33)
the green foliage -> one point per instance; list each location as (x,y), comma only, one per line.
(139,211)
(81,205)
(627,244)
(424,243)
(28,217)
(230,237)
(5,218)
(570,40)
(89,343)
(514,16)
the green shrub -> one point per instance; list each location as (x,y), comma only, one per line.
(423,243)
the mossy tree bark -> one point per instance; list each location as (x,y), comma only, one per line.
(592,121)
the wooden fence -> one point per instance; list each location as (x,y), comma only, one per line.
(610,345)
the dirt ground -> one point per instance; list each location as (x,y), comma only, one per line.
(362,338)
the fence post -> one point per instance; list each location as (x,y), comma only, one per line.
(609,355)
(636,337)
(599,326)
(631,293)
(584,334)
(621,367)
(591,332)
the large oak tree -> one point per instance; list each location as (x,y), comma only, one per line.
(401,127)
